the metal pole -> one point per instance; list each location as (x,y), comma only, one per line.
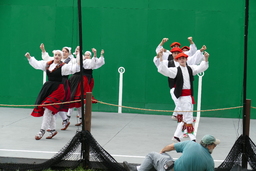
(84,149)
(245,62)
(199,95)
(81,59)
(121,71)
(245,117)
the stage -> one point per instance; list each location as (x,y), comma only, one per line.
(126,136)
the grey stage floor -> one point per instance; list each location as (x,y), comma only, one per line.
(125,136)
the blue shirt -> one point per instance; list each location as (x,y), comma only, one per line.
(194,157)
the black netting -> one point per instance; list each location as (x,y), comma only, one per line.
(72,155)
(234,159)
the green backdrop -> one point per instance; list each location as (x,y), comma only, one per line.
(129,32)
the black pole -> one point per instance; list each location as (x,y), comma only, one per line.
(246,22)
(84,151)
(81,59)
(245,61)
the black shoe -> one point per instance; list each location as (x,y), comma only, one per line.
(129,167)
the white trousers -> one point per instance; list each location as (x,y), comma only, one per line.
(49,120)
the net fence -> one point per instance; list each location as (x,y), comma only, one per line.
(233,161)
(75,153)
(84,150)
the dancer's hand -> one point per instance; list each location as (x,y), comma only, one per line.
(28,55)
(42,47)
(102,52)
(94,52)
(206,56)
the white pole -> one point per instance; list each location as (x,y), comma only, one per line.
(121,71)
(199,94)
(44,77)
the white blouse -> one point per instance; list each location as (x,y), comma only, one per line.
(66,69)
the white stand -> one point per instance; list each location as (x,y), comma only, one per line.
(121,71)
(199,94)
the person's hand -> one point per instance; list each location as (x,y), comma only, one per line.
(160,54)
(77,51)
(28,55)
(42,47)
(203,48)
(206,56)
(190,38)
(102,52)
(164,40)
(161,152)
(94,50)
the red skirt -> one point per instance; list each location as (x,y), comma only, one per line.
(57,96)
(88,87)
(65,107)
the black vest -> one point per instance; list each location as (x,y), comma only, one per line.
(170,64)
(55,74)
(179,81)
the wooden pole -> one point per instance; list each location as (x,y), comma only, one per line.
(87,126)
(88,112)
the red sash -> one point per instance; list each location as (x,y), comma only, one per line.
(187,92)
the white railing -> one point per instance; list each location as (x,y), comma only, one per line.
(199,95)
(121,71)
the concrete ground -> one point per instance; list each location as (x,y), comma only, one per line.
(127,137)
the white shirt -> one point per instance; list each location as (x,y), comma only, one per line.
(93,63)
(66,69)
(166,54)
(172,71)
(47,57)
(192,60)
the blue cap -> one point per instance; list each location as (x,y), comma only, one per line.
(209,139)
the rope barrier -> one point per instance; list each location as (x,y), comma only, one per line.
(134,108)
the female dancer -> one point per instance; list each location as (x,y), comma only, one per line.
(89,64)
(53,90)
(67,58)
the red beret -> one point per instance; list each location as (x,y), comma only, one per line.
(175,43)
(176,49)
(185,47)
(181,55)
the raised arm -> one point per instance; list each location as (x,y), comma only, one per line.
(45,55)
(35,63)
(197,57)
(161,44)
(203,65)
(192,47)
(163,69)
(156,59)
(94,51)
(100,61)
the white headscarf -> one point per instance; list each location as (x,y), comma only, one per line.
(88,52)
(68,48)
(55,51)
